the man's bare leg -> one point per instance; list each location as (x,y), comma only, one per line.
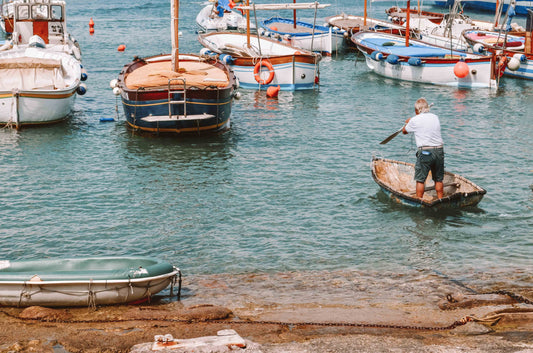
(439,187)
(420,189)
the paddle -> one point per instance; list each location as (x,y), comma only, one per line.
(391,137)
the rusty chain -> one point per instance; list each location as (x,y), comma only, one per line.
(514,296)
(455,324)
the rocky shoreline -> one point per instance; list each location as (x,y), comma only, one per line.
(480,323)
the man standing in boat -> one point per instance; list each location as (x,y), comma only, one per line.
(430,153)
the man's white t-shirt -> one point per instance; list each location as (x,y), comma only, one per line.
(426,127)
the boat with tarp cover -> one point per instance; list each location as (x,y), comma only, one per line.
(84,281)
(175,93)
(396,180)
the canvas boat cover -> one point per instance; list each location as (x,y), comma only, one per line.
(29,73)
(157,74)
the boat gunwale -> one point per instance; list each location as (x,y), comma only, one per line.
(492,47)
(174,272)
(191,89)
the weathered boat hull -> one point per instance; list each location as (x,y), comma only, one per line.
(207,109)
(83,281)
(426,67)
(395,179)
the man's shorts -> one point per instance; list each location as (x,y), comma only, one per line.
(429,159)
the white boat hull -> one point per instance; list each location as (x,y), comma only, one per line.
(290,76)
(81,293)
(27,107)
(325,43)
(438,74)
(83,281)
(423,62)
(37,86)
(525,71)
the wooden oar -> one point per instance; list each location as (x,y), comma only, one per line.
(391,137)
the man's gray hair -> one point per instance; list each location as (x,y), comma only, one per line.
(421,106)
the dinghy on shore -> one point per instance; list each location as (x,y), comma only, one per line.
(396,180)
(83,281)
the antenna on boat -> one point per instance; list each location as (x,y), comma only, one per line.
(174,24)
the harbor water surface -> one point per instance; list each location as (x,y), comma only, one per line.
(286,193)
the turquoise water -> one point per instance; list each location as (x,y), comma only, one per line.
(287,189)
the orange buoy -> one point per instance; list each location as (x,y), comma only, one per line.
(272,91)
(91,23)
(121,47)
(91,31)
(274,28)
(461,69)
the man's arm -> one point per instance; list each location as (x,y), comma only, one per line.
(403,129)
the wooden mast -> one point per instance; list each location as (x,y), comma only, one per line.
(174,27)
(248,24)
(407,29)
(294,14)
(364,21)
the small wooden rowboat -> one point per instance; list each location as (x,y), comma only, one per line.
(396,180)
(83,281)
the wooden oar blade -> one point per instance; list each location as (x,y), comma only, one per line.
(390,137)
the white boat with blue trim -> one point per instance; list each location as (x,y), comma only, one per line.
(323,39)
(412,60)
(520,57)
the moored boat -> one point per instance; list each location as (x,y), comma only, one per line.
(259,62)
(411,60)
(323,39)
(173,93)
(37,86)
(213,17)
(520,58)
(43,18)
(83,281)
(396,180)
(521,6)
(353,24)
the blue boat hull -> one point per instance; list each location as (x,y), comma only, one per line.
(520,8)
(206,109)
